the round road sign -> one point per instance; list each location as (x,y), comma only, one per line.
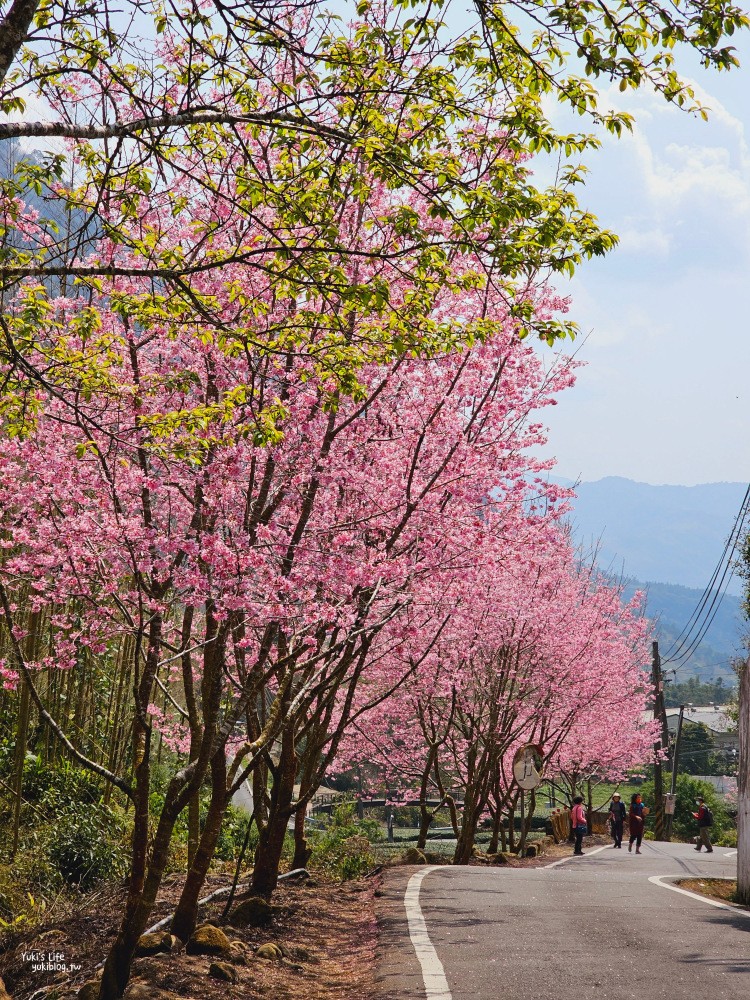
(527,766)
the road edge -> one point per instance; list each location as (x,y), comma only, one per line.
(660,881)
(433,973)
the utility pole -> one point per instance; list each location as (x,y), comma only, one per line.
(675,759)
(660,713)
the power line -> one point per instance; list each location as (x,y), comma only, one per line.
(704,614)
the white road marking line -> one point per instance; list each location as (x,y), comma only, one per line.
(730,854)
(570,857)
(433,974)
(657,880)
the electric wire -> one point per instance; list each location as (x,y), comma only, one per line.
(710,587)
(705,613)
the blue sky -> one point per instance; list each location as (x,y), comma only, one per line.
(665,396)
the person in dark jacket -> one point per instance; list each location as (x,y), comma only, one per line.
(704,822)
(616,818)
(636,822)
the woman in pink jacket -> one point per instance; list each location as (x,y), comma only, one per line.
(578,819)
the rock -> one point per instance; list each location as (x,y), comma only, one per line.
(145,991)
(301,954)
(252,912)
(503,858)
(270,952)
(532,851)
(238,952)
(208,940)
(4,995)
(153,944)
(223,971)
(414,857)
(294,966)
(89,990)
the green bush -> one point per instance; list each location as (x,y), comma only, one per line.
(53,787)
(232,835)
(343,847)
(684,826)
(84,846)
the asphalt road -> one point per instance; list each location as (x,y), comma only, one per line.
(597,926)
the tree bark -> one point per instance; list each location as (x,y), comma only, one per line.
(743,790)
(302,853)
(22,730)
(14,30)
(186,914)
(271,839)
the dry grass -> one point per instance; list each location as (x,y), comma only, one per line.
(722,889)
(327,928)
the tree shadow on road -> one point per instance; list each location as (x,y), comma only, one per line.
(738,923)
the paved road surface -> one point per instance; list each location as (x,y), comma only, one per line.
(596,926)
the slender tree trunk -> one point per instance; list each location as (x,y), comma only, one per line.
(425,816)
(465,842)
(140,903)
(186,914)
(497,823)
(302,853)
(22,730)
(271,840)
(743,790)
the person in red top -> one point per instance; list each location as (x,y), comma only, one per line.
(636,822)
(578,820)
(704,822)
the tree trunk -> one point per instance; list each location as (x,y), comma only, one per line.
(138,910)
(186,914)
(18,765)
(497,824)
(268,854)
(271,839)
(512,827)
(465,842)
(22,731)
(743,790)
(425,819)
(302,853)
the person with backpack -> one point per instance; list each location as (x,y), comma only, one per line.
(705,818)
(616,818)
(578,821)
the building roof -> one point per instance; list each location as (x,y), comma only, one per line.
(714,716)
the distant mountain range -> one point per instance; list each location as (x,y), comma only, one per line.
(667,541)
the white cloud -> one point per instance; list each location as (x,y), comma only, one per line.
(649,242)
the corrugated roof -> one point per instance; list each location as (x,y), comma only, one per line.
(713,716)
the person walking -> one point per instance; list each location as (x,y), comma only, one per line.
(636,822)
(578,819)
(617,818)
(705,819)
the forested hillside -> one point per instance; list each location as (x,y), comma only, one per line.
(667,540)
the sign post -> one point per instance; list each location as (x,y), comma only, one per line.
(527,772)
